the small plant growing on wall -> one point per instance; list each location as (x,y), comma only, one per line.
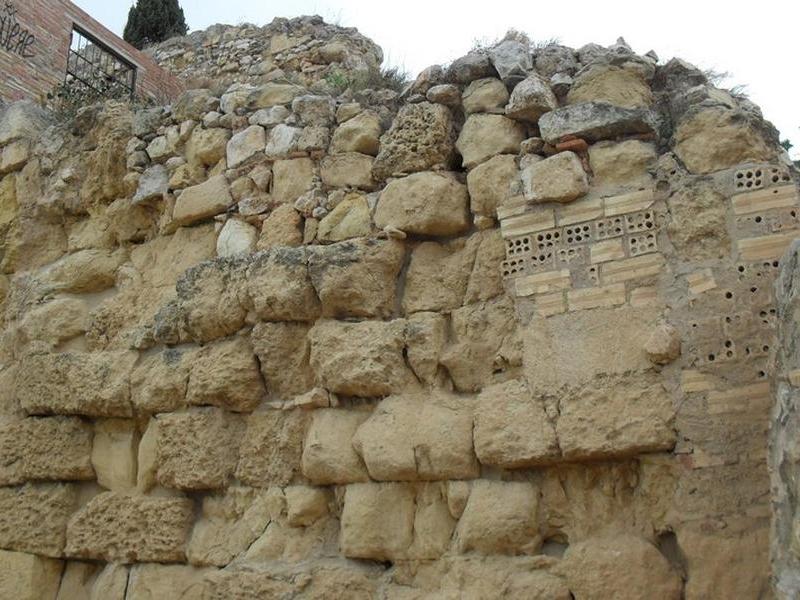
(153,21)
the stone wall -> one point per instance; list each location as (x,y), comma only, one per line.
(506,334)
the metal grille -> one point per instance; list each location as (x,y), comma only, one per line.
(95,69)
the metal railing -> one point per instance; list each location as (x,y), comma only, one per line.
(95,69)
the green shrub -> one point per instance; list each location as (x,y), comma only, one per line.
(153,21)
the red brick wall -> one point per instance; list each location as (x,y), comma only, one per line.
(34,49)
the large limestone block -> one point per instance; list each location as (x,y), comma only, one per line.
(512,429)
(236,237)
(197,450)
(226,374)
(23,119)
(438,274)
(282,141)
(485,96)
(360,359)
(125,529)
(28,577)
(483,345)
(609,83)
(560,178)
(314,110)
(697,224)
(283,354)
(368,530)
(85,271)
(511,59)
(114,453)
(279,286)
(192,105)
(718,138)
(160,582)
(486,279)
(305,505)
(111,583)
(357,278)
(620,566)
(530,99)
(158,384)
(575,348)
(420,139)
(617,418)
(424,204)
(291,179)
(281,228)
(489,184)
(426,335)
(472,66)
(202,201)
(348,169)
(272,94)
(52,448)
(90,384)
(245,145)
(360,134)
(418,437)
(210,302)
(622,164)
(352,218)
(500,518)
(33,518)
(484,136)
(206,147)
(328,454)
(230,523)
(272,447)
(595,121)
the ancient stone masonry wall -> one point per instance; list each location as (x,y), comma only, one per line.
(504,335)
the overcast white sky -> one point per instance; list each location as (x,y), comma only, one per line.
(755,43)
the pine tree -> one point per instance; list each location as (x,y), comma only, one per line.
(152,21)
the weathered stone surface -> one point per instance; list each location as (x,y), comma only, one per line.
(420,139)
(272,447)
(424,204)
(158,384)
(437,275)
(57,448)
(512,429)
(622,164)
(206,147)
(489,184)
(84,271)
(612,84)
(236,238)
(696,227)
(282,141)
(446,93)
(623,566)
(119,528)
(245,145)
(358,278)
(486,281)
(291,179)
(360,359)
(14,156)
(348,169)
(368,531)
(283,353)
(511,59)
(197,450)
(530,99)
(229,525)
(28,577)
(191,105)
(360,134)
(484,136)
(202,201)
(418,437)
(153,184)
(114,451)
(560,178)
(157,582)
(500,518)
(279,286)
(91,384)
(718,138)
(23,119)
(281,228)
(305,505)
(485,95)
(328,453)
(226,374)
(314,110)
(33,518)
(483,344)
(594,121)
(426,334)
(351,218)
(474,65)
(664,344)
(272,94)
